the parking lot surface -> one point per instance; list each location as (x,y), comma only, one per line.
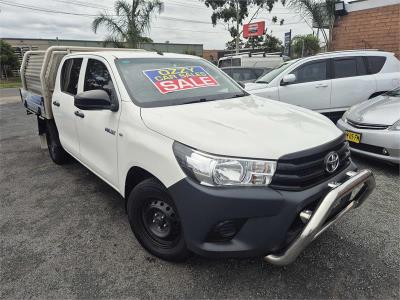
(64,234)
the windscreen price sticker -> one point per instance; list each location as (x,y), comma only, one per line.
(169,80)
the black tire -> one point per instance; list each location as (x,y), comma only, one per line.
(150,208)
(56,151)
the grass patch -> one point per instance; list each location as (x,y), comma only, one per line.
(10,83)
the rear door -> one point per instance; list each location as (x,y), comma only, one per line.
(97,129)
(312,88)
(351,83)
(63,104)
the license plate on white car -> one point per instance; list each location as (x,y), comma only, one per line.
(353,137)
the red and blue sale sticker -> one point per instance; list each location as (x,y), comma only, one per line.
(175,79)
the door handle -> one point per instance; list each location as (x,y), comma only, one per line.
(55,103)
(321,85)
(79,114)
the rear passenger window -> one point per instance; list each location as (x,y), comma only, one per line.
(97,77)
(70,75)
(361,68)
(345,67)
(375,63)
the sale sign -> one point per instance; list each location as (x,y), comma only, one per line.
(175,79)
(253,29)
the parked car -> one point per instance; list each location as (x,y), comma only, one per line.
(330,83)
(251,61)
(245,75)
(182,143)
(373,127)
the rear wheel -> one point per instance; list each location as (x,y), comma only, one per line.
(56,151)
(155,221)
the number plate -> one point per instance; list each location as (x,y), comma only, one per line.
(353,137)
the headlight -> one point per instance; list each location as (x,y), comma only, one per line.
(215,170)
(395,126)
(344,117)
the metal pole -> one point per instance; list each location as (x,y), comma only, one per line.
(237,27)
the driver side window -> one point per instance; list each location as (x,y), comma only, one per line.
(97,77)
(313,71)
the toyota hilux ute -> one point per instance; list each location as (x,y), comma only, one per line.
(204,166)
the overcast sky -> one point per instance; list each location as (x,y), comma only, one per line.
(27,23)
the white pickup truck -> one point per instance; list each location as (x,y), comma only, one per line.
(204,166)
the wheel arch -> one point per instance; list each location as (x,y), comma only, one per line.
(376,94)
(134,176)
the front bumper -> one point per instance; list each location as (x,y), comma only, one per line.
(378,139)
(268,216)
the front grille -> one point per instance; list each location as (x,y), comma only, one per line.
(367,126)
(302,170)
(367,148)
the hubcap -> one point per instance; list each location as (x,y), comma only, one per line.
(161,221)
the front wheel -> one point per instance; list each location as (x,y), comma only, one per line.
(155,221)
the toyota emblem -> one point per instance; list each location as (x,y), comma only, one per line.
(331,162)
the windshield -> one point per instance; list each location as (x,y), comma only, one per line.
(394,93)
(267,78)
(153,82)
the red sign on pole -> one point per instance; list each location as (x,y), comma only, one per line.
(253,29)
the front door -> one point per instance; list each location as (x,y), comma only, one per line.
(63,105)
(97,129)
(312,88)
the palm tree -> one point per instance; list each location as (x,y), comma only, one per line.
(322,12)
(129,25)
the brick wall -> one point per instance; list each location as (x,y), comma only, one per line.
(376,28)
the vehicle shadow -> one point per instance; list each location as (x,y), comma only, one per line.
(368,162)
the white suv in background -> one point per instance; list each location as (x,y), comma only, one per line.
(332,82)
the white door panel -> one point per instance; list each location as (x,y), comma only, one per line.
(349,91)
(98,129)
(63,105)
(312,95)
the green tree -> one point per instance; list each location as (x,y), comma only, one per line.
(272,44)
(321,12)
(267,42)
(305,45)
(131,23)
(233,13)
(8,59)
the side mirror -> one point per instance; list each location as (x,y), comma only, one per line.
(95,100)
(288,79)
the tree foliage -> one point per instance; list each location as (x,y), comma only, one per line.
(267,42)
(131,23)
(321,12)
(305,45)
(8,58)
(231,12)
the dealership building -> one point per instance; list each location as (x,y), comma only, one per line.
(369,24)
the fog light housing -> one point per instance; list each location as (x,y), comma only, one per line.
(225,230)
(385,152)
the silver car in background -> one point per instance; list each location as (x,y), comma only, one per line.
(373,127)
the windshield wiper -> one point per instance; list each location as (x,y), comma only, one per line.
(197,101)
(261,81)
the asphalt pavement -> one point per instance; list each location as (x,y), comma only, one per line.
(64,234)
